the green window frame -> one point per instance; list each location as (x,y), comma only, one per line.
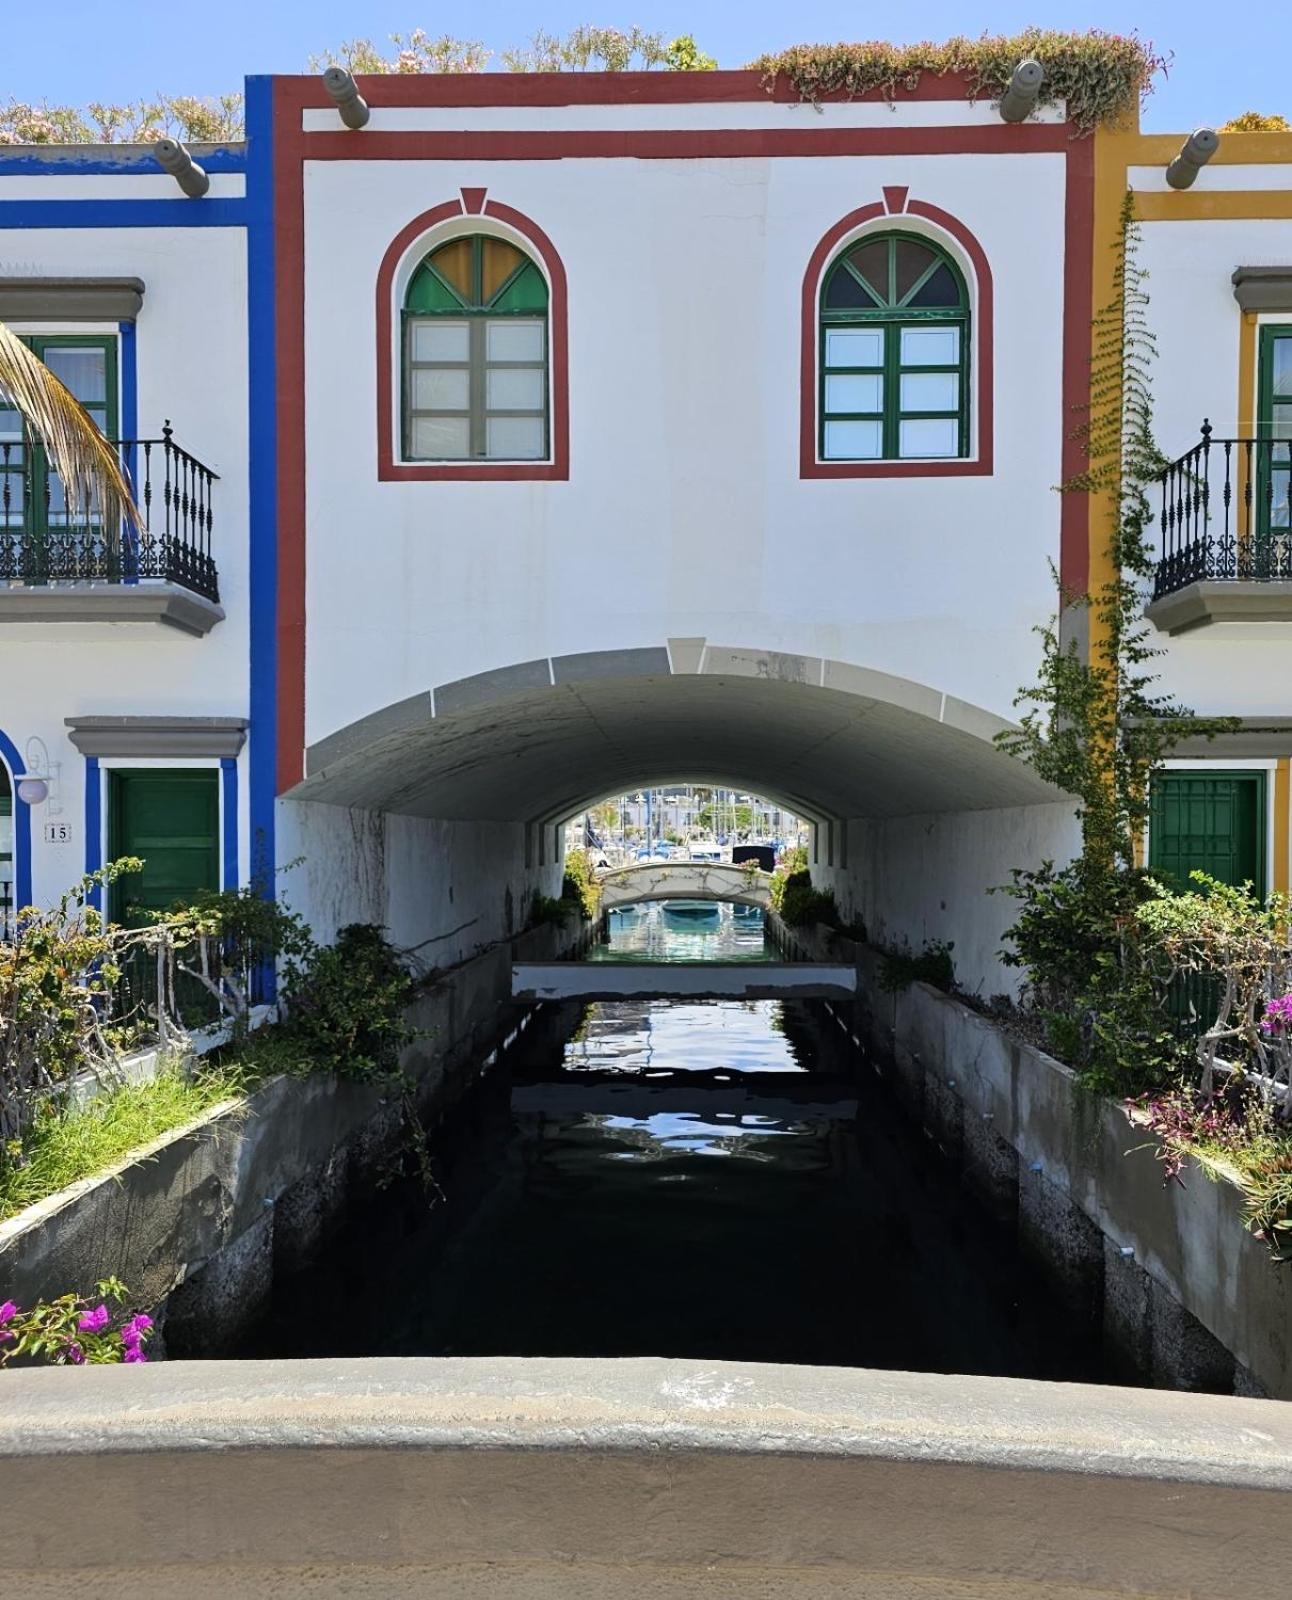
(170,818)
(893,353)
(1274,423)
(475,354)
(1209,821)
(95,385)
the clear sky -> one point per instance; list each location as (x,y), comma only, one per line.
(1228,57)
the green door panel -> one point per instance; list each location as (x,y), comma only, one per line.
(1208,822)
(172,821)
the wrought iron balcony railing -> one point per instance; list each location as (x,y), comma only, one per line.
(1226,513)
(44,539)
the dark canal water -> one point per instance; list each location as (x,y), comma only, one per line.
(715,1180)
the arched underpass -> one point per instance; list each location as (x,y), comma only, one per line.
(443,809)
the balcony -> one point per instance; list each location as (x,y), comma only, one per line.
(60,563)
(1226,535)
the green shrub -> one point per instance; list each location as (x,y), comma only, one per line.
(579,886)
(346,1006)
(899,969)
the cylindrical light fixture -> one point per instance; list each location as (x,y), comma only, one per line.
(172,157)
(344,92)
(1019,99)
(1195,153)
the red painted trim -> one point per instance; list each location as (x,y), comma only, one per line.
(1078,292)
(473,200)
(981,465)
(389,470)
(598,88)
(682,144)
(895,198)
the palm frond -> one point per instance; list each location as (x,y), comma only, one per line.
(84,460)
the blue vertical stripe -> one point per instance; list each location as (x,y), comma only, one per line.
(94,825)
(22,895)
(229,814)
(262,422)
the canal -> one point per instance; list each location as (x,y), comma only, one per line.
(714,1180)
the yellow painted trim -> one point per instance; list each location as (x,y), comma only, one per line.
(1232,205)
(1236,149)
(1282,816)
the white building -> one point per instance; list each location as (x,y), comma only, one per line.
(578,434)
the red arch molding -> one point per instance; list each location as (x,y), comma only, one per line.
(981,465)
(391,470)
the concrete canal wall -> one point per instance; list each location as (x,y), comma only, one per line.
(1185,1293)
(461,1479)
(199,1223)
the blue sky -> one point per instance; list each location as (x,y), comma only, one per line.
(1226,58)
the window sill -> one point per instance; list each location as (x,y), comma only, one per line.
(922,467)
(165,603)
(471,471)
(1198,605)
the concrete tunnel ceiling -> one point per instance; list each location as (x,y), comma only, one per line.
(541,740)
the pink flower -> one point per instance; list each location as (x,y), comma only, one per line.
(132,1332)
(76,1355)
(8,1311)
(93,1321)
(134,1353)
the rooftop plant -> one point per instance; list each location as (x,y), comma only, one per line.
(1102,76)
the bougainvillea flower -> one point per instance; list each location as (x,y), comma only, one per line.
(135,1353)
(93,1321)
(8,1311)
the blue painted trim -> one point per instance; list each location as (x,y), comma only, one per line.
(21,828)
(122,161)
(262,421)
(94,825)
(123,213)
(229,820)
(129,429)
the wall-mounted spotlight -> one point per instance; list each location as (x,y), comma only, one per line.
(172,157)
(1195,153)
(1019,99)
(344,92)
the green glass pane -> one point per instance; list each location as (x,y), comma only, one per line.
(527,291)
(428,293)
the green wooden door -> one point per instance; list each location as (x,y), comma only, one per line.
(171,820)
(1211,822)
(1274,460)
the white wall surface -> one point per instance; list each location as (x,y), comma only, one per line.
(684,514)
(445,889)
(192,368)
(1230,668)
(915,880)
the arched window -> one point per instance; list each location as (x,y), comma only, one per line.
(894,353)
(475,351)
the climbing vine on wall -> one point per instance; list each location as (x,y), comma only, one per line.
(1102,76)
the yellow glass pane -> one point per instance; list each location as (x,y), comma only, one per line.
(500,261)
(453,263)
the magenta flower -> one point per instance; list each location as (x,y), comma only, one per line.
(76,1355)
(134,1353)
(8,1311)
(93,1321)
(133,1331)
(1278,1015)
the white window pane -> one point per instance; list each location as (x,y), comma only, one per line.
(937,436)
(514,340)
(516,438)
(85,372)
(859,393)
(514,388)
(930,391)
(853,441)
(441,389)
(441,340)
(854,347)
(930,347)
(440,438)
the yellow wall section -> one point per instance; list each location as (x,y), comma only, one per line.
(1282,820)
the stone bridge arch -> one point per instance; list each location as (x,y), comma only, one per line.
(685,880)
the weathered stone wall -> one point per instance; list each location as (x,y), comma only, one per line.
(1184,1292)
(199,1223)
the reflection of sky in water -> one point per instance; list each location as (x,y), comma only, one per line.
(686,1132)
(649,933)
(647,1036)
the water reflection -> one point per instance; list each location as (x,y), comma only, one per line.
(656,933)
